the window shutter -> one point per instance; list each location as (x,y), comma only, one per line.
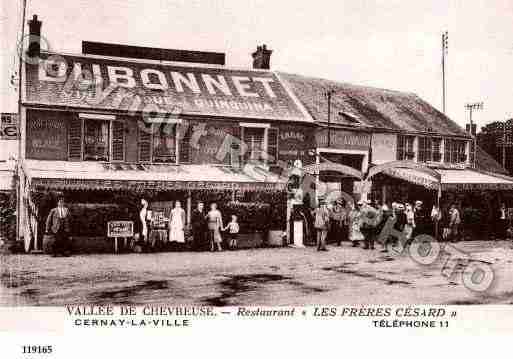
(144,142)
(235,155)
(184,155)
(447,151)
(272,145)
(118,141)
(75,139)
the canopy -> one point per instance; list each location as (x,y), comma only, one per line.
(459,180)
(6,176)
(118,176)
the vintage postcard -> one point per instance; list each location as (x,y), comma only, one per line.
(212,169)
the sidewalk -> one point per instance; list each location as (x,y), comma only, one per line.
(279,276)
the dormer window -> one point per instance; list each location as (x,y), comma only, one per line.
(349,117)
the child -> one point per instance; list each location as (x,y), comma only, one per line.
(233,228)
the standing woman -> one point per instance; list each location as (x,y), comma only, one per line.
(355,235)
(143,217)
(176,224)
(215,223)
(321,224)
(410,223)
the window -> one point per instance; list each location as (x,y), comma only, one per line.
(261,144)
(429,149)
(254,138)
(405,148)
(164,143)
(455,151)
(96,140)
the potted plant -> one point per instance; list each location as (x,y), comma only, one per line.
(277,226)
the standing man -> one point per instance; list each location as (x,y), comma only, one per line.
(454,223)
(199,226)
(58,224)
(321,224)
(338,217)
(502,223)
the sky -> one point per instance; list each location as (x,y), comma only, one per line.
(380,43)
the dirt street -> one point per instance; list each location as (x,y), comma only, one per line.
(280,276)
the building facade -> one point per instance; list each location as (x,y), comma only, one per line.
(106,130)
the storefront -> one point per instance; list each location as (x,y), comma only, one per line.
(160,132)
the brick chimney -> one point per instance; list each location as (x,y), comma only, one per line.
(262,58)
(34,47)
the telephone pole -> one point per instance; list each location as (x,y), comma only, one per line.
(473,107)
(445,43)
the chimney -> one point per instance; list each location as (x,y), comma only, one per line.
(262,58)
(34,47)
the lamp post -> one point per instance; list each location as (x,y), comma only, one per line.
(475,106)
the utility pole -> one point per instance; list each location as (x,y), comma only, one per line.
(445,43)
(18,160)
(329,93)
(504,144)
(471,107)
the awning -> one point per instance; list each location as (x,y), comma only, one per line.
(63,175)
(459,180)
(6,176)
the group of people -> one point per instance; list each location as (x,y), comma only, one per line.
(363,223)
(206,226)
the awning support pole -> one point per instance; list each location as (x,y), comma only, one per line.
(189,206)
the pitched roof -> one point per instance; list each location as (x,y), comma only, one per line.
(119,84)
(356,105)
(485,162)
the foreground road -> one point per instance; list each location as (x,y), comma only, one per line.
(282,276)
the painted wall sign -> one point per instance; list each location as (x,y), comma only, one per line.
(207,141)
(341,139)
(384,147)
(296,142)
(123,85)
(46,136)
(9,126)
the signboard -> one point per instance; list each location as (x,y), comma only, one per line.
(118,229)
(384,148)
(296,142)
(9,126)
(46,136)
(341,139)
(87,82)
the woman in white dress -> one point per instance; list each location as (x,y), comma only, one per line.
(142,217)
(355,221)
(177,223)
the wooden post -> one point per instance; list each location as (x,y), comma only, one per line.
(115,244)
(189,206)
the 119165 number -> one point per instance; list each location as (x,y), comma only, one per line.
(37,349)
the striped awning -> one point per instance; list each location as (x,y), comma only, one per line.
(64,175)
(454,180)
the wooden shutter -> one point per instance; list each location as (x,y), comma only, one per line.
(144,142)
(272,145)
(118,141)
(75,130)
(234,157)
(184,148)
